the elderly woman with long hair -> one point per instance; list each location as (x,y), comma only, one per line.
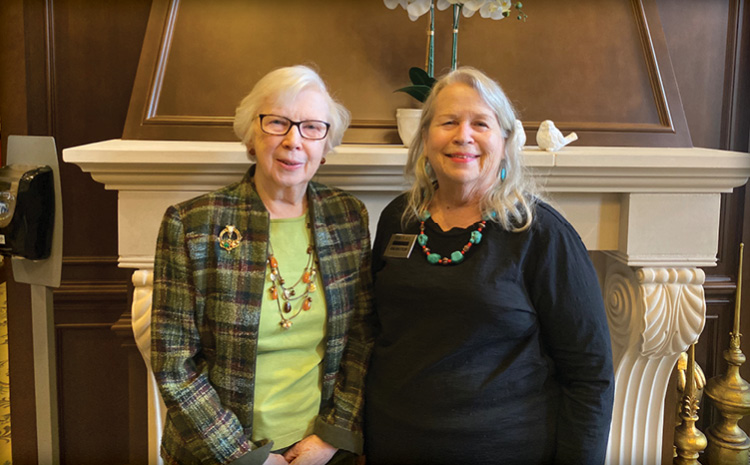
(493,345)
(260,291)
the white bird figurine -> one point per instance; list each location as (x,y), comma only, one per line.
(549,138)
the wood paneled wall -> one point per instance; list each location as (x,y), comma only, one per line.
(709,55)
(67,69)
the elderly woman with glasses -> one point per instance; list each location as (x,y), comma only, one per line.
(260,293)
(493,345)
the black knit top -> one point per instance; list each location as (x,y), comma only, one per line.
(502,359)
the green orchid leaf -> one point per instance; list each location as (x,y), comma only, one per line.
(418,77)
(419,92)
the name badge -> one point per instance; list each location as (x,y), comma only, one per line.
(400,245)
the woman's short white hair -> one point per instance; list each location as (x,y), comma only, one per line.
(281,86)
(510,199)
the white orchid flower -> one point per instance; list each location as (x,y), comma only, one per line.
(496,9)
(417,8)
(443,4)
(469,6)
(392,4)
(472,6)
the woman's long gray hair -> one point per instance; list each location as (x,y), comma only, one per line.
(509,201)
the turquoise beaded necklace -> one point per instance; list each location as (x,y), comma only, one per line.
(457,256)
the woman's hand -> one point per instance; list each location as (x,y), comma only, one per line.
(310,451)
(275,459)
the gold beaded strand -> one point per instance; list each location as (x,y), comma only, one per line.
(289,294)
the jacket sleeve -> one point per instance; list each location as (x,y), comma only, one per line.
(575,334)
(209,432)
(341,425)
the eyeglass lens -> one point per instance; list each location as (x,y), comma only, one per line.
(280,125)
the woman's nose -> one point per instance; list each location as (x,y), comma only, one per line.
(464,133)
(293,138)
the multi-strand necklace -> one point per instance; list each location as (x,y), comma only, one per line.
(456,256)
(285,295)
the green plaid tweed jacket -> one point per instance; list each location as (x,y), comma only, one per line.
(206,310)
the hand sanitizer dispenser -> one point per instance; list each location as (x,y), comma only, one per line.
(27,211)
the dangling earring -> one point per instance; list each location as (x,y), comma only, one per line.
(427,166)
(503,173)
(323,161)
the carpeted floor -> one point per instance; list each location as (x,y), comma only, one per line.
(5,457)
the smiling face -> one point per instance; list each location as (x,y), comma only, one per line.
(288,162)
(464,142)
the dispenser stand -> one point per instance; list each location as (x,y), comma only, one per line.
(43,276)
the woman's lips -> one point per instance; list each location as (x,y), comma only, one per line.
(462,157)
(291,164)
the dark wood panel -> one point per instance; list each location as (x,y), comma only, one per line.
(93,80)
(137,395)
(95,48)
(736,117)
(93,399)
(699,64)
(93,388)
(613,88)
(12,84)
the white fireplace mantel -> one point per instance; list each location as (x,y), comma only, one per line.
(651,215)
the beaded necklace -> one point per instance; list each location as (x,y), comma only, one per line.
(457,256)
(289,294)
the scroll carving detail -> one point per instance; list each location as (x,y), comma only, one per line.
(654,315)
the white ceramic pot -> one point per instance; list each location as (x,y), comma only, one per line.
(407,120)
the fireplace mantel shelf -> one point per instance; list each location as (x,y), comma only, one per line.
(200,166)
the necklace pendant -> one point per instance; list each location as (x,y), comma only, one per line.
(273,276)
(307,304)
(272,261)
(306,277)
(311,287)
(274,293)
(285,324)
(287,307)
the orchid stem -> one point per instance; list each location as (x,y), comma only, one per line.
(431,43)
(456,15)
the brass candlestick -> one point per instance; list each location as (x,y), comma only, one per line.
(727,443)
(689,441)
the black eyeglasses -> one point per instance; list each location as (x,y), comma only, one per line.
(279,126)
